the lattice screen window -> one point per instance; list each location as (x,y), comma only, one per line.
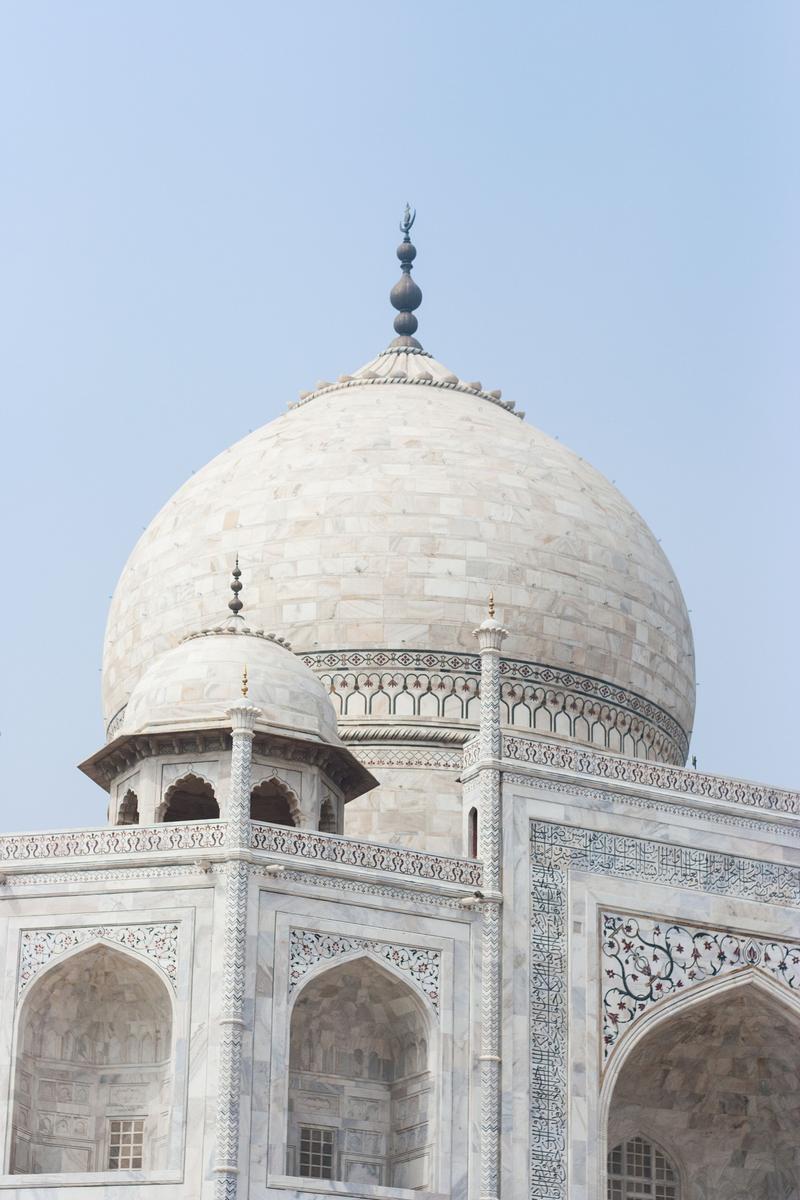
(316,1152)
(638,1171)
(125,1144)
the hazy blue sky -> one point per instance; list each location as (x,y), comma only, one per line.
(198,215)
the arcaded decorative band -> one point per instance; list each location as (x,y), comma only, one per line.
(444,686)
(309,947)
(158,942)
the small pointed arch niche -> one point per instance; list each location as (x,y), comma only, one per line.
(328,822)
(93,1067)
(711,1085)
(273,801)
(362,1036)
(128,813)
(189,798)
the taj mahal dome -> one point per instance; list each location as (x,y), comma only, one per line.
(373,520)
(405,886)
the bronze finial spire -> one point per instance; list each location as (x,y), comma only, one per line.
(491,605)
(406,295)
(235,605)
(244,681)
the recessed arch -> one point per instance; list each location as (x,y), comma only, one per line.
(93,1066)
(472,833)
(363,1037)
(638,1168)
(189,798)
(710,1076)
(327,816)
(128,812)
(273,801)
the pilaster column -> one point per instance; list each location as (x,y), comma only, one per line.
(243,718)
(490,637)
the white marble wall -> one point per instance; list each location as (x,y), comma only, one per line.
(725,866)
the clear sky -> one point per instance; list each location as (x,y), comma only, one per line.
(198,215)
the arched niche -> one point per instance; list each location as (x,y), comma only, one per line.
(472,833)
(129,809)
(274,802)
(327,816)
(362,1091)
(93,1069)
(188,799)
(714,1082)
(638,1169)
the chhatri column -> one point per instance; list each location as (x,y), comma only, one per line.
(490,635)
(243,716)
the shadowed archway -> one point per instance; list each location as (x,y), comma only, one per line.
(360,1047)
(93,1067)
(717,1086)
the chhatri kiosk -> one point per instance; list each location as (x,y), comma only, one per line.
(404,887)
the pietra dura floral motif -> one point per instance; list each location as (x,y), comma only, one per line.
(644,961)
(308,947)
(157,942)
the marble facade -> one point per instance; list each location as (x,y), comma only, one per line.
(588,862)
(417,907)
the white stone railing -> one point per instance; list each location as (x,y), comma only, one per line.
(116,839)
(125,840)
(327,847)
(601,765)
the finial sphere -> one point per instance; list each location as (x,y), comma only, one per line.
(235,605)
(406,295)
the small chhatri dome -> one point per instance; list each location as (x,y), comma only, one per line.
(406,295)
(193,685)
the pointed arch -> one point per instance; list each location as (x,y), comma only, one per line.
(356,1031)
(664,1083)
(327,816)
(93,1058)
(472,833)
(189,798)
(273,801)
(128,812)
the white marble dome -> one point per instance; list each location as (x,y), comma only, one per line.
(378,513)
(191,687)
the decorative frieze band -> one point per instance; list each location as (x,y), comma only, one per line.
(563,756)
(321,847)
(645,961)
(158,942)
(308,947)
(555,851)
(424,757)
(120,839)
(365,684)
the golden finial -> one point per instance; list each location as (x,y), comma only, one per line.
(491,605)
(244,682)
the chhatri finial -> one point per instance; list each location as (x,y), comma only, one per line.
(491,605)
(406,295)
(235,605)
(244,681)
